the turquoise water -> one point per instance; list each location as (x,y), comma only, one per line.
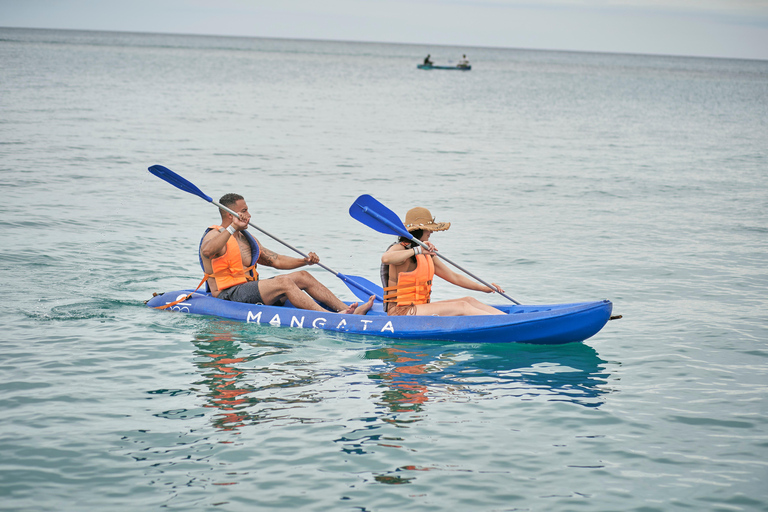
(567,177)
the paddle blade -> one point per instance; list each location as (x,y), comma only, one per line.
(363,288)
(375,215)
(177,181)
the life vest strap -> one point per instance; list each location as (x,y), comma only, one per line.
(248,277)
(246,274)
(391,298)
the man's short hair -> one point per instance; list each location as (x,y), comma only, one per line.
(229,200)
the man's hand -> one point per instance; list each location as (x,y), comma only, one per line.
(312,258)
(240,223)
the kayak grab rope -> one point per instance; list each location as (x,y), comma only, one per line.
(222,273)
(170,304)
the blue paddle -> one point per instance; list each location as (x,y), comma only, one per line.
(375,215)
(361,287)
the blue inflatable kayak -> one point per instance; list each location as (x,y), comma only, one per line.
(546,324)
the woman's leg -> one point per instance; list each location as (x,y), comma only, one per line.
(456,307)
(488,310)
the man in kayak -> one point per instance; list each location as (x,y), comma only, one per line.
(427,62)
(407,271)
(229,256)
(463,63)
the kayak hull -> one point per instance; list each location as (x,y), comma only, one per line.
(541,324)
(426,66)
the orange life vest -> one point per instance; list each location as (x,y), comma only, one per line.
(414,287)
(228,270)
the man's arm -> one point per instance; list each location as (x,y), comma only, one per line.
(270,258)
(214,243)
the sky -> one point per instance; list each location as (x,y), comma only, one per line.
(704,28)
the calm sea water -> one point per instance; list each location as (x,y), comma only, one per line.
(567,177)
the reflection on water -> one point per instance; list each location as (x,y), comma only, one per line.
(233,379)
(248,377)
(415,374)
(412,375)
(222,378)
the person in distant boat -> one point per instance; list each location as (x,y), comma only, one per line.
(463,63)
(229,255)
(427,62)
(407,271)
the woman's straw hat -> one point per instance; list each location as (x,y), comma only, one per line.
(420,218)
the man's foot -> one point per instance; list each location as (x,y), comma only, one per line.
(350,309)
(361,310)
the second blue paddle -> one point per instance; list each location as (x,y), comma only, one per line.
(375,215)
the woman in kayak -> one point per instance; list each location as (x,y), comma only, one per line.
(407,271)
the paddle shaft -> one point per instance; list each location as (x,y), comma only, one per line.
(401,231)
(355,283)
(489,285)
(221,206)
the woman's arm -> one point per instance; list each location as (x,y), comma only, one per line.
(442,270)
(397,255)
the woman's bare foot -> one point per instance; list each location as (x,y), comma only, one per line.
(361,310)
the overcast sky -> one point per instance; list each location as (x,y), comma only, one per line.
(717,28)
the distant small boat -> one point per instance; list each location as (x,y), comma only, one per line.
(432,66)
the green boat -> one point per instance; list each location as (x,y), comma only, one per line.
(432,66)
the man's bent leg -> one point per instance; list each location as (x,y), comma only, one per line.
(283,287)
(305,281)
(246,292)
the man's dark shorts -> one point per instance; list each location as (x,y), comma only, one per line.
(246,292)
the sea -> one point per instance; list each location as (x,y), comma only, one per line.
(566,177)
